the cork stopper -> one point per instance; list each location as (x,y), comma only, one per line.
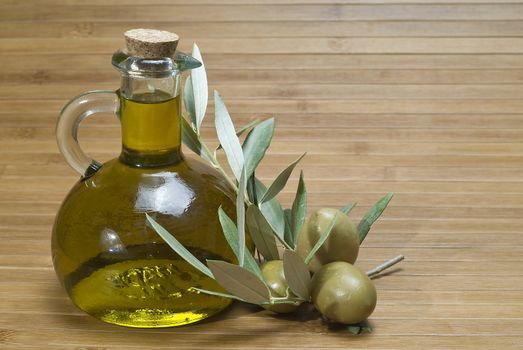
(151,43)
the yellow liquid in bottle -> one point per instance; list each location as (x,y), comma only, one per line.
(146,293)
(150,122)
(112,264)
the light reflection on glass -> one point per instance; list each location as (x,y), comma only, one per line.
(110,241)
(157,193)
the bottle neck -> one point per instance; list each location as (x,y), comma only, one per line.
(151,124)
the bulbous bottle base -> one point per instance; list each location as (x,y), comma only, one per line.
(145,293)
(123,306)
(152,318)
(116,268)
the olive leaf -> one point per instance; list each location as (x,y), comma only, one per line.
(243,129)
(239,281)
(231,235)
(296,274)
(321,240)
(271,210)
(261,233)
(188,100)
(191,140)
(199,88)
(240,215)
(299,210)
(372,215)
(227,136)
(178,247)
(218,294)
(256,144)
(280,181)
(360,328)
(247,126)
(348,208)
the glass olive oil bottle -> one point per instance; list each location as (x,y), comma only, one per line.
(111,263)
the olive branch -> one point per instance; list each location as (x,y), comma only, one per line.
(257,208)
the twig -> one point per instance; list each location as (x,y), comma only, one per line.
(216,164)
(285,300)
(385,265)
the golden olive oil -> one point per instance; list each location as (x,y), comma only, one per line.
(113,265)
(144,292)
(151,122)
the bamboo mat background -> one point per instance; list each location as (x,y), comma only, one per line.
(422,98)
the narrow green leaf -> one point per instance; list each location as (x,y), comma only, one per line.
(199,87)
(240,215)
(296,274)
(231,235)
(272,211)
(191,140)
(218,294)
(188,100)
(299,209)
(243,129)
(348,208)
(239,281)
(360,328)
(261,233)
(322,240)
(256,144)
(247,126)
(287,214)
(280,181)
(227,136)
(372,215)
(178,247)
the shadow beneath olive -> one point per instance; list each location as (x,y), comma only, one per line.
(338,327)
(386,273)
(306,312)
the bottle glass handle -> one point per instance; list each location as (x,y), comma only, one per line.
(69,120)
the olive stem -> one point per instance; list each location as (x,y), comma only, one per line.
(289,301)
(385,265)
(285,244)
(216,164)
(285,300)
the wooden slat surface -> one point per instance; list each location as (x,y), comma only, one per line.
(420,97)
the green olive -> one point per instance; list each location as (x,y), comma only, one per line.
(343,293)
(273,274)
(342,244)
